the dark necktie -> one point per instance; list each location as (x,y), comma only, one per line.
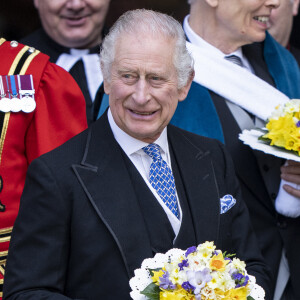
(161,178)
(78,73)
(235,59)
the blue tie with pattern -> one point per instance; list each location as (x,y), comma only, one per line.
(162,179)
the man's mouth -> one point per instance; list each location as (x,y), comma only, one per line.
(143,113)
(262,19)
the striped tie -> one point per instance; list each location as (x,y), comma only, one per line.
(235,59)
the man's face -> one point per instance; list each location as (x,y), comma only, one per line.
(281,20)
(242,22)
(143,92)
(73,23)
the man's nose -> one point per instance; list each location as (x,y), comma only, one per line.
(75,4)
(273,3)
(141,94)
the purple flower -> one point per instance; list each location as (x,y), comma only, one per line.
(188,287)
(298,124)
(198,279)
(184,263)
(190,250)
(240,279)
(165,282)
(237,276)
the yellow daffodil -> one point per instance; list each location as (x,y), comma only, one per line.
(237,294)
(156,275)
(218,263)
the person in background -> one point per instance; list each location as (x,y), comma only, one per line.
(71,33)
(241,74)
(281,23)
(103,213)
(41,107)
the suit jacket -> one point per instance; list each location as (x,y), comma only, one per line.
(259,174)
(94,233)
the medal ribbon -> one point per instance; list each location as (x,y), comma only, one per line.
(6,87)
(14,86)
(1,87)
(26,84)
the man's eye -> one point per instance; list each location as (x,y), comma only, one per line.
(155,78)
(127,76)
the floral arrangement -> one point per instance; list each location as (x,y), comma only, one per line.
(199,273)
(283,127)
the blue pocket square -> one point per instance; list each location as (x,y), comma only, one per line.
(226,203)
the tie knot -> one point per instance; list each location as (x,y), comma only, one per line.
(153,151)
(235,59)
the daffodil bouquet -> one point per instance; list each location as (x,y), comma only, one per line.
(283,127)
(195,274)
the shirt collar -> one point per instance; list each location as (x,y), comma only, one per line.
(131,145)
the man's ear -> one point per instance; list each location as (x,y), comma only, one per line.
(106,85)
(212,3)
(183,92)
(295,7)
(36,3)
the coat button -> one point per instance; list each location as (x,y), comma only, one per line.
(281,224)
(14,44)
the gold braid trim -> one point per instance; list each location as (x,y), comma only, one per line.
(3,253)
(2,40)
(28,61)
(5,231)
(22,72)
(5,239)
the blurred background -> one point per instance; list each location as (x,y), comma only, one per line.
(19,18)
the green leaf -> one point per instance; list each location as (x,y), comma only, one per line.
(225,254)
(153,270)
(250,298)
(264,139)
(152,291)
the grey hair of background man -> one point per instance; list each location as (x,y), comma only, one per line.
(152,23)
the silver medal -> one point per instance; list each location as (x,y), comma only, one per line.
(5,104)
(15,104)
(28,104)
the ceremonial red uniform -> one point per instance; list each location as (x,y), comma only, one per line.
(59,115)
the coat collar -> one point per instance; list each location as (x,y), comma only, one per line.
(104,177)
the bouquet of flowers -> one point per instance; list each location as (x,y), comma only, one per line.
(283,127)
(199,273)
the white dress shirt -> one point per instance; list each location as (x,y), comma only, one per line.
(142,161)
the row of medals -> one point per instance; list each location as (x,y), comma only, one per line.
(26,104)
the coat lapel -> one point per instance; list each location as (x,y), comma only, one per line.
(105,179)
(197,174)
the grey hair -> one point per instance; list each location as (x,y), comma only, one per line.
(191,1)
(156,24)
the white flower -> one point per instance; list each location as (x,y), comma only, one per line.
(238,264)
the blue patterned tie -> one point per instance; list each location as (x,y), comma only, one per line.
(162,179)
